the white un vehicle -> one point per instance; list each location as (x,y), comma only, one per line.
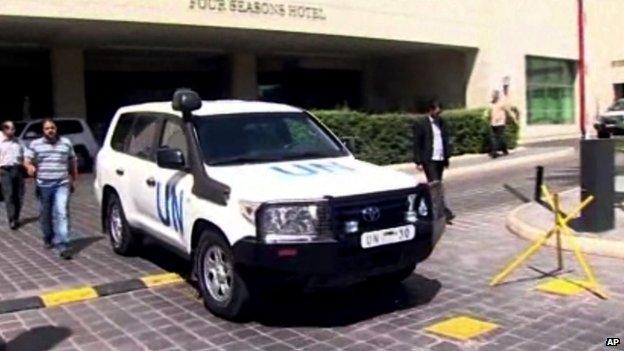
(258,195)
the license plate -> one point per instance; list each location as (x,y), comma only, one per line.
(388,236)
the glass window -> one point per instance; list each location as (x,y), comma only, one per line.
(550,91)
(173,137)
(34,131)
(617,106)
(264,137)
(69,127)
(122,131)
(142,138)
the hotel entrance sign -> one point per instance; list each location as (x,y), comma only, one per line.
(260,8)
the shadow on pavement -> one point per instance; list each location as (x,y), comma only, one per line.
(517,193)
(37,339)
(347,306)
(28,220)
(554,273)
(165,259)
(78,245)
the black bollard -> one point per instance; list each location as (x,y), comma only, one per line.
(598,179)
(539,181)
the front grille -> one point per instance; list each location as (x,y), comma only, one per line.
(392,206)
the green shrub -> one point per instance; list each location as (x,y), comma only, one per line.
(387,138)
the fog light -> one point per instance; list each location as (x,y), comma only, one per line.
(351,227)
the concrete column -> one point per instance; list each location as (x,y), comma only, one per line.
(369,93)
(244,76)
(68,85)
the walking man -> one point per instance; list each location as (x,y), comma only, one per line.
(11,173)
(52,161)
(498,120)
(431,147)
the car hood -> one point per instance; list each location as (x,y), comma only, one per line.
(309,179)
(613,114)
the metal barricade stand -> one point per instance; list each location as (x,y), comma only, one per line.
(560,228)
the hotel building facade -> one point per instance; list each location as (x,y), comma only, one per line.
(85,58)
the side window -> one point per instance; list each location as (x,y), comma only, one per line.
(34,131)
(119,140)
(142,137)
(69,127)
(173,137)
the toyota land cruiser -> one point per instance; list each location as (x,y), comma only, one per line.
(249,191)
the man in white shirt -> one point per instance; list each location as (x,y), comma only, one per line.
(11,173)
(431,147)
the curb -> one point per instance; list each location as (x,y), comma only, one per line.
(494,164)
(84,293)
(594,246)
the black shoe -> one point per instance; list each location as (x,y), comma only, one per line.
(13,225)
(65,254)
(493,155)
(450,216)
(505,152)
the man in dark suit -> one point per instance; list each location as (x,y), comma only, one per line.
(431,147)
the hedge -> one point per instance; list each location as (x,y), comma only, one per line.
(387,138)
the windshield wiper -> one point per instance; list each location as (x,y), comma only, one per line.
(309,154)
(241,159)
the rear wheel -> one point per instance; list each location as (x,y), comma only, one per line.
(119,232)
(223,290)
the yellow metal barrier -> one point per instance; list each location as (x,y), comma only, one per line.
(560,227)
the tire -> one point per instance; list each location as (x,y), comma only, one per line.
(122,239)
(224,292)
(85,162)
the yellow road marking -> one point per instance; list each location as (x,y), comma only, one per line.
(565,287)
(461,328)
(67,296)
(161,279)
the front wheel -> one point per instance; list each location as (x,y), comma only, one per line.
(122,239)
(223,290)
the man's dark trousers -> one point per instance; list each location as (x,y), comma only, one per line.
(12,180)
(434,170)
(497,140)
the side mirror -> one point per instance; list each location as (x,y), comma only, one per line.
(186,101)
(170,159)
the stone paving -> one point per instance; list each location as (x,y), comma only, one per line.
(27,269)
(452,282)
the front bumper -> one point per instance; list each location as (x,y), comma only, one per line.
(335,262)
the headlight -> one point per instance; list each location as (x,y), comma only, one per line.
(285,222)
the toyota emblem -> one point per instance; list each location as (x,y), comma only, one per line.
(371,214)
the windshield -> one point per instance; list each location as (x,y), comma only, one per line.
(264,137)
(617,106)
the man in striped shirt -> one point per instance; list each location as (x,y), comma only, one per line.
(52,161)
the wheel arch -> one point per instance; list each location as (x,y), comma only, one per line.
(198,228)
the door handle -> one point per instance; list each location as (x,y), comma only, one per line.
(119,171)
(150,182)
